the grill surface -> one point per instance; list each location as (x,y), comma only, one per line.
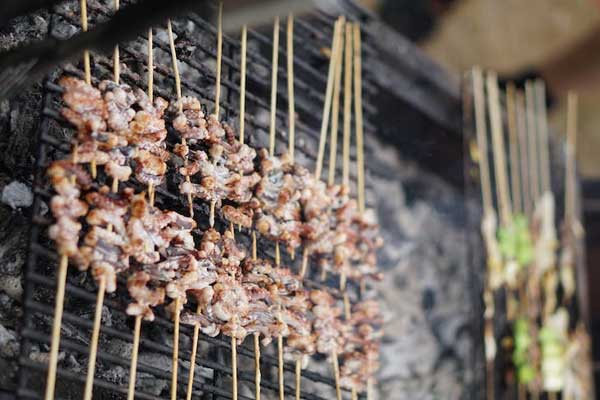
(196,51)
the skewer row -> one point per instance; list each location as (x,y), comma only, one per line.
(177,300)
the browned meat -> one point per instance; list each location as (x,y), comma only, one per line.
(190,124)
(118,100)
(67,179)
(146,296)
(85,109)
(327,326)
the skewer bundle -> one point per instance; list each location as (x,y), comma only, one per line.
(522,259)
(154,248)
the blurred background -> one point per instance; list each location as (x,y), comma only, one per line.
(558,40)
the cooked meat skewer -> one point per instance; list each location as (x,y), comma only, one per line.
(146,297)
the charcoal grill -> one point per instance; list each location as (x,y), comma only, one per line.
(196,38)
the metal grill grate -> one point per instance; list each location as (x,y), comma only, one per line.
(196,51)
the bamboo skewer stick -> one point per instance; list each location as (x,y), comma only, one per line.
(336,373)
(359,117)
(175,358)
(515,173)
(58,312)
(280,365)
(532,145)
(177,77)
(234,368)
(193,357)
(219,57)
(274,66)
(504,203)
(89,380)
(542,125)
(87,67)
(116,64)
(328,98)
(324,124)
(257,375)
(243,83)
(572,103)
(347,105)
(180,103)
(86,53)
(298,377)
(150,66)
(134,357)
(290,84)
(211,217)
(523,152)
(335,107)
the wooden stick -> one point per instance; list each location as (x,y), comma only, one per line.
(116,64)
(150,67)
(277,255)
(354,394)
(86,53)
(257,375)
(175,359)
(481,129)
(544,142)
(180,103)
(504,204)
(298,377)
(175,64)
(234,368)
(515,172)
(347,105)
(134,357)
(97,320)
(87,69)
(193,357)
(290,83)
(304,265)
(336,374)
(572,103)
(359,117)
(243,83)
(89,380)
(328,98)
(219,57)
(274,69)
(523,152)
(280,364)
(56,324)
(335,107)
(531,144)
(370,389)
